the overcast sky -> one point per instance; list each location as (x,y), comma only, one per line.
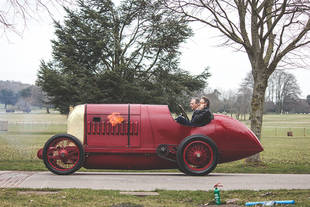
(21,56)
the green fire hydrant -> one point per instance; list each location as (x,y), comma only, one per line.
(217,195)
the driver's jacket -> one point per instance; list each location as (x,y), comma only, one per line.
(201,117)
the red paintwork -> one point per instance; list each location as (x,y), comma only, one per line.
(108,147)
(152,125)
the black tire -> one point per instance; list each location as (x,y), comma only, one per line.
(63,154)
(197,155)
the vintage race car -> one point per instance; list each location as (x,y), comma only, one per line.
(143,137)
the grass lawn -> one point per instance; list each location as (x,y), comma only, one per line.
(28,132)
(283,154)
(86,197)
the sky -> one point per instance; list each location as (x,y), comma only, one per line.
(20,56)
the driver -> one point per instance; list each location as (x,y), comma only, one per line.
(194,104)
(202,115)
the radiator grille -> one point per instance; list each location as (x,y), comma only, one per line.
(106,128)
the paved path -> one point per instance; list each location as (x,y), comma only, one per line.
(127,181)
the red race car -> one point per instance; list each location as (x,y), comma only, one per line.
(144,137)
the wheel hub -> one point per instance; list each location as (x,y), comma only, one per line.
(63,154)
(197,154)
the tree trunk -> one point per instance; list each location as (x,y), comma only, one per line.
(257,104)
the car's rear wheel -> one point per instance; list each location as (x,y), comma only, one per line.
(63,154)
(197,155)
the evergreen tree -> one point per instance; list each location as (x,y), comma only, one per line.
(125,54)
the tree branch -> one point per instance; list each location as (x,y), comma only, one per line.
(293,45)
(242,13)
(272,26)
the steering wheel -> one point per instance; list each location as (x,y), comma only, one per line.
(183,113)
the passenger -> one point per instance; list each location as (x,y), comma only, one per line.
(194,104)
(202,115)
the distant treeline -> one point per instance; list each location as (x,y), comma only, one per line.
(283,95)
(23,97)
(19,96)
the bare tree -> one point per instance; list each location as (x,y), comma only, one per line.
(229,100)
(269,31)
(215,103)
(243,103)
(14,12)
(282,86)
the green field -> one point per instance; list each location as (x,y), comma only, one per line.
(105,198)
(28,132)
(283,154)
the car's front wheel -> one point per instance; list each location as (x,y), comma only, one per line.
(63,154)
(197,155)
